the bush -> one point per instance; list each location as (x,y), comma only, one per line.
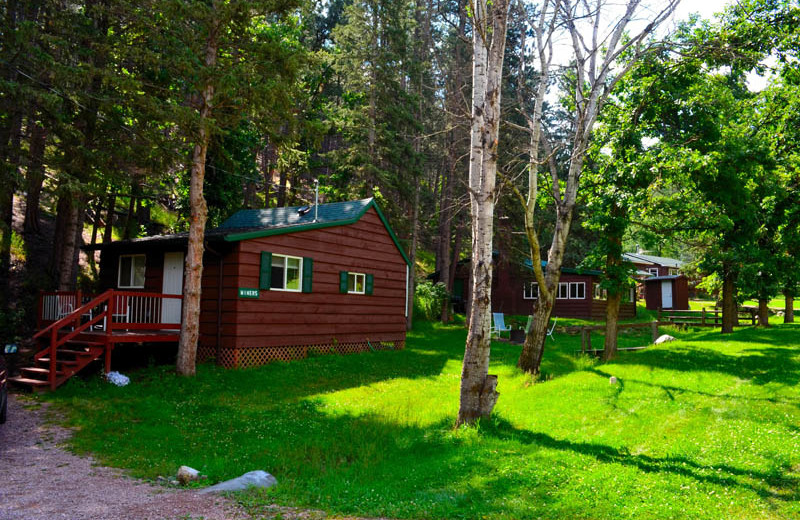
(429,299)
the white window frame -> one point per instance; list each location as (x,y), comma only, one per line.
(632,295)
(286,272)
(600,293)
(355,277)
(131,273)
(653,271)
(564,285)
(582,285)
(674,271)
(530,291)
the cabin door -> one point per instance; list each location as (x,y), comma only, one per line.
(172,284)
(666,294)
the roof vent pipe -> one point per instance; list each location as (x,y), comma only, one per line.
(316,198)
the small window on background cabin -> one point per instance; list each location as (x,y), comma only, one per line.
(355,283)
(285,273)
(563,291)
(131,272)
(653,271)
(577,290)
(674,271)
(531,291)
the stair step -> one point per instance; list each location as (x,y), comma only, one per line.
(73,352)
(39,371)
(27,381)
(65,362)
(86,343)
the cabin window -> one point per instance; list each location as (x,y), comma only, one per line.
(563,291)
(356,283)
(653,271)
(632,294)
(577,290)
(285,273)
(600,293)
(673,271)
(131,272)
(530,291)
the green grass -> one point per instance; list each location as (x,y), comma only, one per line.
(705,427)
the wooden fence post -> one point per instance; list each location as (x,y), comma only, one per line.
(654,330)
(583,340)
(703,317)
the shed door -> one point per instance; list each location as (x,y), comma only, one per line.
(172,284)
(666,294)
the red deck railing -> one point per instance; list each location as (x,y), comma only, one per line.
(131,310)
(61,319)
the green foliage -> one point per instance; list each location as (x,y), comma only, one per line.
(371,434)
(18,246)
(429,298)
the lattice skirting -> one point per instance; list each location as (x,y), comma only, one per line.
(244,357)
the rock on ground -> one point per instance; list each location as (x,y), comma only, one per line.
(258,479)
(664,338)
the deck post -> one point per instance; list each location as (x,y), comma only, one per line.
(654,330)
(51,377)
(703,317)
(107,358)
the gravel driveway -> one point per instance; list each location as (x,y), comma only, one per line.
(41,481)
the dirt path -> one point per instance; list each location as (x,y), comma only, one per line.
(41,481)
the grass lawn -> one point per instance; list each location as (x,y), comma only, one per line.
(705,427)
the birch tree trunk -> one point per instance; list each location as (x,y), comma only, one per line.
(193,269)
(595,55)
(478,388)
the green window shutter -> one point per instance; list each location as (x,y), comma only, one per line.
(265,280)
(308,268)
(343,282)
(369,283)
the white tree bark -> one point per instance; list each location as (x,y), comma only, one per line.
(478,388)
(595,53)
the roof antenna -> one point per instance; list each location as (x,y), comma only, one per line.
(316,198)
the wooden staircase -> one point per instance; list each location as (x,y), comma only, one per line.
(66,351)
(69,361)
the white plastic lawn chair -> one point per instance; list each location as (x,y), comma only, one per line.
(549,331)
(552,329)
(499,324)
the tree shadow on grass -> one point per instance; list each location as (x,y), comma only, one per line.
(672,390)
(766,485)
(761,366)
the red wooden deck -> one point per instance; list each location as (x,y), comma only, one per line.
(77,329)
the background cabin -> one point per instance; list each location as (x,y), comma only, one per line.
(667,292)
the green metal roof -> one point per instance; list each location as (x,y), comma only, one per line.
(255,223)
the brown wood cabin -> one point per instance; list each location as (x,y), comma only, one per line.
(667,292)
(654,265)
(279,283)
(515,291)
